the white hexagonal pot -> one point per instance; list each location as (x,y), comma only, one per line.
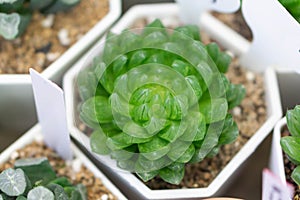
(16,99)
(128,182)
(34,134)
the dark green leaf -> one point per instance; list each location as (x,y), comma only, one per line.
(58,191)
(291,146)
(230,131)
(38,4)
(62,181)
(172,176)
(293,121)
(60,6)
(10,5)
(5,197)
(296,175)
(38,170)
(235,94)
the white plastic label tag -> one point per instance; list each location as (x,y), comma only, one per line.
(49,101)
(274,189)
(276,36)
(191,10)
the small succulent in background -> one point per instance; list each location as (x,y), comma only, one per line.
(15,15)
(291,144)
(293,6)
(159,100)
(35,179)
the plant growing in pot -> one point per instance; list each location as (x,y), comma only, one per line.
(255,126)
(40,47)
(31,170)
(157,101)
(34,178)
(45,30)
(290,143)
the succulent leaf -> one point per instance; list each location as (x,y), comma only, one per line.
(40,192)
(293,121)
(291,144)
(296,175)
(13,24)
(38,170)
(13,182)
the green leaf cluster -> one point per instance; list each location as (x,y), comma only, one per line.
(158,100)
(15,15)
(291,144)
(35,179)
(293,6)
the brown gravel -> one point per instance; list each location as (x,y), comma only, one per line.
(235,21)
(38,47)
(96,190)
(249,116)
(289,167)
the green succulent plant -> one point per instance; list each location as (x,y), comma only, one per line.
(15,15)
(293,6)
(35,179)
(158,100)
(291,144)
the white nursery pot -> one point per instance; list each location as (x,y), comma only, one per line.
(16,96)
(276,159)
(129,183)
(34,134)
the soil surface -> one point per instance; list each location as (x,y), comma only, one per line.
(289,167)
(235,21)
(40,45)
(75,171)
